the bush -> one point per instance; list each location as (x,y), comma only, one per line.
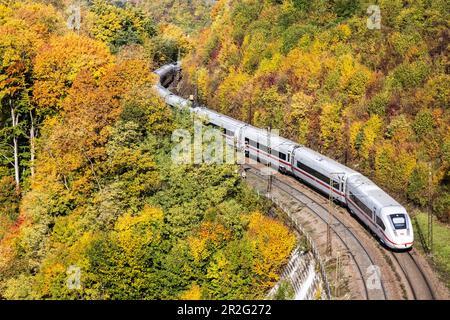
(378,104)
(441,206)
(245,12)
(346,8)
(418,185)
(302,5)
(9,198)
(285,291)
(423,123)
(409,75)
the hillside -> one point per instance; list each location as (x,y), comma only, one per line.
(190,15)
(91,204)
(374,99)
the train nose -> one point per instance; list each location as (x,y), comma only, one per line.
(404,239)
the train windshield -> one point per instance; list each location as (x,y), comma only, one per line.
(399,221)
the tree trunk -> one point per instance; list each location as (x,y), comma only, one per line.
(32,144)
(15,121)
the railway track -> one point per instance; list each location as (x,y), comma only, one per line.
(418,283)
(416,280)
(354,247)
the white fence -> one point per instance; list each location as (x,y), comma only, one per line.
(301,269)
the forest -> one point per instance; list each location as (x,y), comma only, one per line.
(375,99)
(86,180)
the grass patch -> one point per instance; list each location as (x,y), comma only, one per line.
(441,243)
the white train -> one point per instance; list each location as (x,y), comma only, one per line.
(384,216)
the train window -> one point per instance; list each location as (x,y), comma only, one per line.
(289,158)
(336,185)
(313,172)
(262,147)
(399,221)
(253,143)
(380,223)
(282,156)
(361,205)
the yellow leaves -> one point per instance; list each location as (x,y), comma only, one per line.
(43,19)
(127,75)
(364,136)
(18,44)
(153,214)
(209,234)
(175,33)
(58,64)
(217,10)
(301,103)
(355,130)
(268,66)
(394,166)
(203,84)
(306,66)
(133,232)
(193,293)
(353,76)
(28,23)
(297,118)
(344,31)
(197,248)
(252,48)
(229,54)
(49,272)
(105,26)
(330,124)
(371,131)
(347,67)
(273,244)
(228,91)
(7,252)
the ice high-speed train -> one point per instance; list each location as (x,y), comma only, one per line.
(384,216)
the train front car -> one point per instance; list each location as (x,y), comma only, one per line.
(380,212)
(399,234)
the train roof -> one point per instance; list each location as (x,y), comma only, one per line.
(275,140)
(167,68)
(221,119)
(162,91)
(368,188)
(325,163)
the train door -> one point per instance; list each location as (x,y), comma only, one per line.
(341,188)
(291,160)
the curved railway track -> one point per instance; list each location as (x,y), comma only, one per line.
(350,241)
(418,283)
(419,286)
